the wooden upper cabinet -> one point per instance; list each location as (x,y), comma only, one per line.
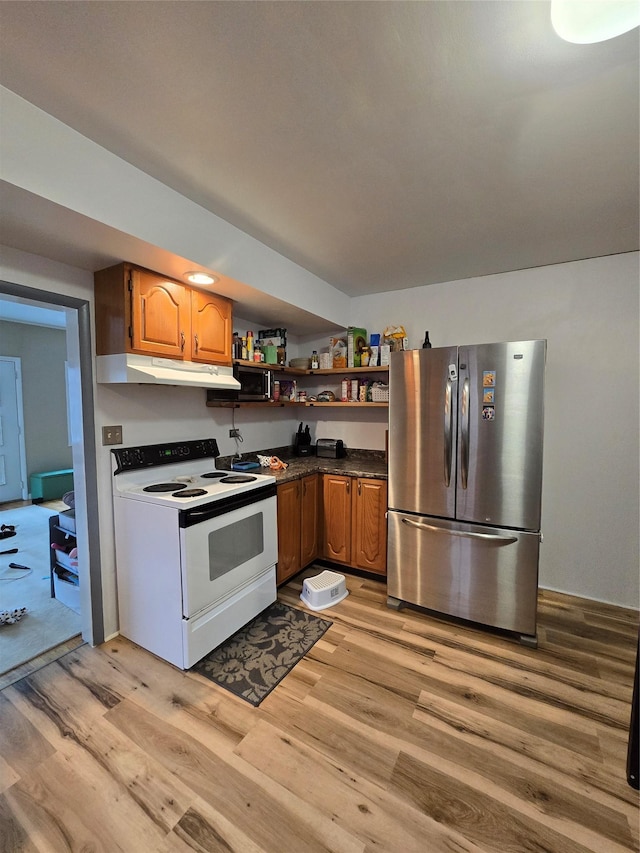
(160,321)
(140,311)
(369,543)
(211,322)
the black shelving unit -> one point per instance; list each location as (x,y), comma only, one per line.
(65,582)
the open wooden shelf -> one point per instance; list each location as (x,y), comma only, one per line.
(296,371)
(267,404)
(337,370)
(340,405)
(276,368)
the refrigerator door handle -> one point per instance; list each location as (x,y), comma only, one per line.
(464,434)
(448,424)
(488,537)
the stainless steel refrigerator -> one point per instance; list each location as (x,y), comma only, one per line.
(465,482)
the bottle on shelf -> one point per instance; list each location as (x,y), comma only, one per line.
(315,362)
(249,345)
(427,342)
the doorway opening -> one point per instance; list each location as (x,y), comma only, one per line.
(73,405)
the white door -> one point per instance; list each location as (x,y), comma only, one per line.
(12,459)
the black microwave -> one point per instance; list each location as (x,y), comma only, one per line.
(255,386)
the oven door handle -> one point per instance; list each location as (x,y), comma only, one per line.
(222,506)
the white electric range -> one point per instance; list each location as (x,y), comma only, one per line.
(196,547)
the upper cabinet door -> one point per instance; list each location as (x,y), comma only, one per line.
(159,315)
(210,328)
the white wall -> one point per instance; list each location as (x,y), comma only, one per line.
(588,312)
(42,352)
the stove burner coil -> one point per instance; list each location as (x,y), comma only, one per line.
(164,487)
(189,493)
(238,478)
(213,475)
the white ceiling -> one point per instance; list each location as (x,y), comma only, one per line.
(380,145)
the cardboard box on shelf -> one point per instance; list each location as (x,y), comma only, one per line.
(356,340)
(338,350)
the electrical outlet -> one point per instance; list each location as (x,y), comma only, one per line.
(234,433)
(112,434)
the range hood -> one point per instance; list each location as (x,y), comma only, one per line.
(127,368)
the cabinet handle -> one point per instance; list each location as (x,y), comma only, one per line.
(195,339)
(182,341)
(348,487)
(359,487)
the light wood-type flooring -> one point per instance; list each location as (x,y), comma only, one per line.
(397,732)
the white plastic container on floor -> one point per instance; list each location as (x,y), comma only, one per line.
(323,590)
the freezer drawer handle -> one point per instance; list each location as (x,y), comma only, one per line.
(491,537)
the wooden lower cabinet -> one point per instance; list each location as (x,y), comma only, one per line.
(298,525)
(355,524)
(310,515)
(336,506)
(369,526)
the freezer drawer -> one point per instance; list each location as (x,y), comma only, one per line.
(483,574)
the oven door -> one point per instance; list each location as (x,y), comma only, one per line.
(224,546)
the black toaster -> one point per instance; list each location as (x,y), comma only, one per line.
(331,448)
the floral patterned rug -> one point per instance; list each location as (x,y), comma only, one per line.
(257,657)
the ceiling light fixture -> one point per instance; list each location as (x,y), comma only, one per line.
(196,277)
(589,21)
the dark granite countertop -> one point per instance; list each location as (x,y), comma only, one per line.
(357,463)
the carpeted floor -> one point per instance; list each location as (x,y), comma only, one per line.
(257,657)
(47,621)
